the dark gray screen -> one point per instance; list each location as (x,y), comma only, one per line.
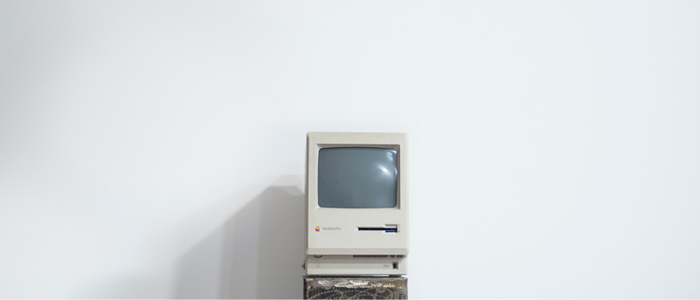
(357,177)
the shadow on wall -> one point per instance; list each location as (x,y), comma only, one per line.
(257,253)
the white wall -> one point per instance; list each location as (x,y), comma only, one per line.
(156,149)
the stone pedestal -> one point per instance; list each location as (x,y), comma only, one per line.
(378,287)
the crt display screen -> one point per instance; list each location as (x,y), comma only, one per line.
(357,177)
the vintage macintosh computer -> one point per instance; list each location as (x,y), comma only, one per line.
(356,204)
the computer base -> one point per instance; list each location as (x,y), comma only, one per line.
(361,287)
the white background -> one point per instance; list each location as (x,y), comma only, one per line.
(156,149)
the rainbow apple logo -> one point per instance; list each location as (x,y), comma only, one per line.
(318,229)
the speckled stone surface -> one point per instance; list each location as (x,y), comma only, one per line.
(355,287)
